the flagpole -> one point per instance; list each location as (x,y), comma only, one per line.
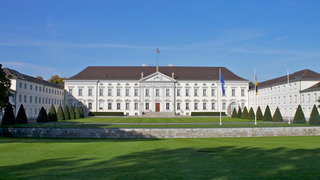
(288,96)
(157,59)
(255,99)
(220,97)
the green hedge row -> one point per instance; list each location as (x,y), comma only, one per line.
(208,114)
(106,113)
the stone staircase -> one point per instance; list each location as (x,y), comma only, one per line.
(159,114)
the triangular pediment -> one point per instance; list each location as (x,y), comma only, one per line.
(158,77)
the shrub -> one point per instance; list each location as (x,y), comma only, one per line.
(314,120)
(21,116)
(299,117)
(81,112)
(314,111)
(8,117)
(208,114)
(52,115)
(106,113)
(66,112)
(42,117)
(267,114)
(77,112)
(72,114)
(244,113)
(251,114)
(60,114)
(239,112)
(234,113)
(259,114)
(277,117)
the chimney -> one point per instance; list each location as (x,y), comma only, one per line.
(173,75)
(170,65)
(141,74)
(144,65)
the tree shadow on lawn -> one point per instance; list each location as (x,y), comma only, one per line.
(228,162)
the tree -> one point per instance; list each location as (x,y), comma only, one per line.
(77,112)
(234,113)
(21,116)
(81,112)
(8,117)
(60,114)
(52,115)
(244,113)
(42,117)
(314,111)
(5,84)
(57,80)
(299,117)
(66,112)
(267,114)
(251,114)
(259,114)
(39,77)
(277,117)
(72,114)
(239,112)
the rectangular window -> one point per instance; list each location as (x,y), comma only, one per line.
(187,106)
(49,91)
(290,99)
(204,106)
(178,106)
(90,105)
(25,86)
(213,92)
(147,92)
(167,106)
(80,92)
(195,106)
(233,92)
(36,100)
(101,92)
(109,92)
(136,106)
(127,106)
(49,101)
(187,92)
(147,106)
(89,92)
(224,106)
(167,92)
(40,89)
(213,106)
(70,91)
(109,106)
(127,92)
(242,92)
(195,92)
(295,98)
(20,85)
(204,92)
(30,86)
(157,92)
(136,92)
(25,99)
(178,92)
(118,92)
(101,105)
(46,100)
(302,98)
(20,98)
(118,106)
(36,88)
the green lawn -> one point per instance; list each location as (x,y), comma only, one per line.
(216,158)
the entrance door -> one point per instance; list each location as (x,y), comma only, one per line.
(157,107)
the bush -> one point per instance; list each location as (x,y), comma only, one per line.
(259,114)
(81,112)
(66,112)
(251,114)
(106,113)
(52,115)
(8,117)
(239,112)
(60,114)
(234,113)
(208,114)
(77,112)
(244,113)
(299,117)
(42,117)
(72,113)
(314,120)
(277,117)
(267,114)
(21,116)
(314,111)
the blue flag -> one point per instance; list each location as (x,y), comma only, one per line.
(222,84)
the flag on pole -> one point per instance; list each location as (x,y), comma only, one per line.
(222,84)
(256,83)
(158,51)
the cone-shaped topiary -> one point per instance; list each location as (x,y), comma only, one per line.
(52,115)
(8,117)
(299,117)
(66,112)
(239,112)
(267,114)
(277,117)
(314,111)
(314,116)
(259,114)
(244,113)
(21,116)
(81,112)
(77,112)
(60,114)
(72,114)
(42,117)
(234,113)
(251,114)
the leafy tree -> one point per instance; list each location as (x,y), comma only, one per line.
(277,117)
(244,113)
(81,112)
(8,117)
(66,112)
(251,114)
(299,117)
(57,80)
(21,116)
(5,84)
(77,112)
(72,113)
(60,114)
(267,114)
(42,117)
(239,112)
(234,113)
(52,115)
(259,114)
(39,77)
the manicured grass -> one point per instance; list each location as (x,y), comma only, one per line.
(216,158)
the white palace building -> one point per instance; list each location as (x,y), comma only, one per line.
(136,90)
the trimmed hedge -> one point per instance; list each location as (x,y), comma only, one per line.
(208,114)
(72,113)
(21,116)
(314,116)
(267,114)
(52,115)
(42,117)
(244,113)
(239,112)
(314,111)
(106,114)
(234,113)
(259,114)
(277,117)
(77,112)
(81,112)
(66,112)
(299,117)
(60,114)
(251,114)
(8,117)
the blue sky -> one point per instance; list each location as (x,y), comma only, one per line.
(45,37)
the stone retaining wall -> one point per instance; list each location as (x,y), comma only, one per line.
(159,132)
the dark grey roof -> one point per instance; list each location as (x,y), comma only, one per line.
(17,75)
(134,73)
(315,87)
